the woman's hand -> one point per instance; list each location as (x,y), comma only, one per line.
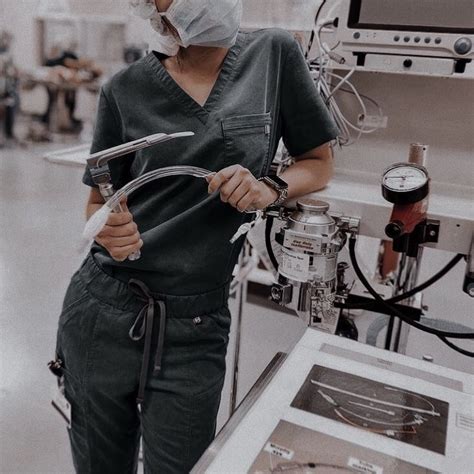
(120,234)
(239,187)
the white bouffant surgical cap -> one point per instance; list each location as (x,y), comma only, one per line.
(198,22)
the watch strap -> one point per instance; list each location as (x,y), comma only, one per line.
(282,190)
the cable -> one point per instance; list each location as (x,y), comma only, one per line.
(320,65)
(394,311)
(341,83)
(372,101)
(451,264)
(313,31)
(395,299)
(268,241)
(456,348)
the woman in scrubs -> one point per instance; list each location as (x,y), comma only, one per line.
(142,343)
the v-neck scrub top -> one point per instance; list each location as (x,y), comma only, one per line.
(264,92)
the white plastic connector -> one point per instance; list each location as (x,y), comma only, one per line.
(96,222)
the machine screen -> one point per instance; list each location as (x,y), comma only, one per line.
(456,16)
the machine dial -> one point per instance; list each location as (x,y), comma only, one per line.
(463,45)
(405,183)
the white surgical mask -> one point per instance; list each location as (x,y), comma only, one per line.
(198,22)
(164,41)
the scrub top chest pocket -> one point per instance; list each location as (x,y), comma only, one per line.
(247,141)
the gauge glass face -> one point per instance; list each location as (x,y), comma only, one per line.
(404,178)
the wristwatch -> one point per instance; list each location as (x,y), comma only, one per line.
(280,186)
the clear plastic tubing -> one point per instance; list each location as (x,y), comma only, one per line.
(137,183)
(97,221)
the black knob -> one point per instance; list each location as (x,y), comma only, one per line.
(276,294)
(463,45)
(407,63)
(394,229)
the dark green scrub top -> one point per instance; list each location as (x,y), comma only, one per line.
(264,92)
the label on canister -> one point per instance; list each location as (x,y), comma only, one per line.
(323,267)
(304,243)
(294,265)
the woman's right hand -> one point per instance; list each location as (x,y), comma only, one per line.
(120,234)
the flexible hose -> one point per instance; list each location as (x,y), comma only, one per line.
(268,241)
(441,334)
(395,299)
(97,221)
(456,348)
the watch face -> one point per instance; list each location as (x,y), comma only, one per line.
(277,181)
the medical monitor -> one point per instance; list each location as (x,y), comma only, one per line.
(437,16)
(429,29)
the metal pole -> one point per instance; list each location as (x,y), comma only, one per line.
(408,270)
(406,280)
(241,298)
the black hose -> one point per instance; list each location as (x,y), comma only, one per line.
(395,299)
(268,241)
(456,348)
(441,334)
(388,336)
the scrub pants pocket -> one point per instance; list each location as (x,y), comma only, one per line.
(73,342)
(181,405)
(99,380)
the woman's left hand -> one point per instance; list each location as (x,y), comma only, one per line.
(239,187)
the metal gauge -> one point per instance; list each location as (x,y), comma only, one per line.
(405,183)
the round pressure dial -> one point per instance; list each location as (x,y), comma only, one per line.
(405,183)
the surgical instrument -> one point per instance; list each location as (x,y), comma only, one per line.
(100,172)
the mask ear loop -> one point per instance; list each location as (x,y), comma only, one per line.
(170,28)
(166,22)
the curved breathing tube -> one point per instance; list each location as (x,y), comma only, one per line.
(98,220)
(132,186)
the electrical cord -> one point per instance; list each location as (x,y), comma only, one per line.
(395,299)
(313,31)
(268,241)
(440,334)
(320,65)
(456,348)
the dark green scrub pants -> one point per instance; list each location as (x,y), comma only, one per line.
(102,363)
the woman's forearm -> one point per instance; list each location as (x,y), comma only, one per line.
(307,176)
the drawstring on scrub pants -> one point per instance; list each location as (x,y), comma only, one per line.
(143,326)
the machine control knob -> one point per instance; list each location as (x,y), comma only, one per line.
(394,229)
(281,294)
(408,63)
(463,45)
(312,205)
